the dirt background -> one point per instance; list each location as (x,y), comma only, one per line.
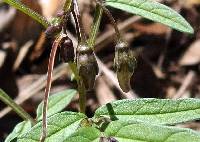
(168,61)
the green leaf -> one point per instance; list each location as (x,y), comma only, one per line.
(19,129)
(23,8)
(19,110)
(59,126)
(158,111)
(154,11)
(86,134)
(57,102)
(146,132)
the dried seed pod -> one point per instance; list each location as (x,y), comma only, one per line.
(125,63)
(87,66)
(67,50)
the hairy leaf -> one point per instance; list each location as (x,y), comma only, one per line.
(86,134)
(146,132)
(57,102)
(19,129)
(60,126)
(159,111)
(23,8)
(154,11)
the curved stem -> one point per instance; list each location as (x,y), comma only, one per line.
(48,86)
(112,20)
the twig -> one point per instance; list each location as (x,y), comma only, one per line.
(187,81)
(22,54)
(112,77)
(36,87)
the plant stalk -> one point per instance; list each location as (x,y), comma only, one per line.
(82,96)
(48,86)
(95,26)
(19,110)
(78,22)
(112,20)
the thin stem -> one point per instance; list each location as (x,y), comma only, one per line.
(78,21)
(67,5)
(112,20)
(95,26)
(19,110)
(48,86)
(82,96)
(20,6)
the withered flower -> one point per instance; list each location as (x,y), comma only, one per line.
(124,63)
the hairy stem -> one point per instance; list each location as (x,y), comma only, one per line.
(19,110)
(23,8)
(67,5)
(95,26)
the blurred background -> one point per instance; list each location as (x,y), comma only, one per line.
(168,62)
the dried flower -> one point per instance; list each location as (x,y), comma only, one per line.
(124,63)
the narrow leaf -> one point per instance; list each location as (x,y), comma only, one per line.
(23,8)
(159,111)
(86,134)
(59,126)
(19,129)
(57,102)
(154,11)
(146,132)
(19,110)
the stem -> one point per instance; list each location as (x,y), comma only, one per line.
(67,5)
(19,110)
(112,20)
(20,6)
(48,86)
(82,96)
(95,26)
(78,21)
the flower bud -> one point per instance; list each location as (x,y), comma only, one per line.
(53,30)
(124,63)
(87,66)
(67,50)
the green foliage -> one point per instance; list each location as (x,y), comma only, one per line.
(85,134)
(60,126)
(119,121)
(124,120)
(156,111)
(57,102)
(146,132)
(154,11)
(19,129)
